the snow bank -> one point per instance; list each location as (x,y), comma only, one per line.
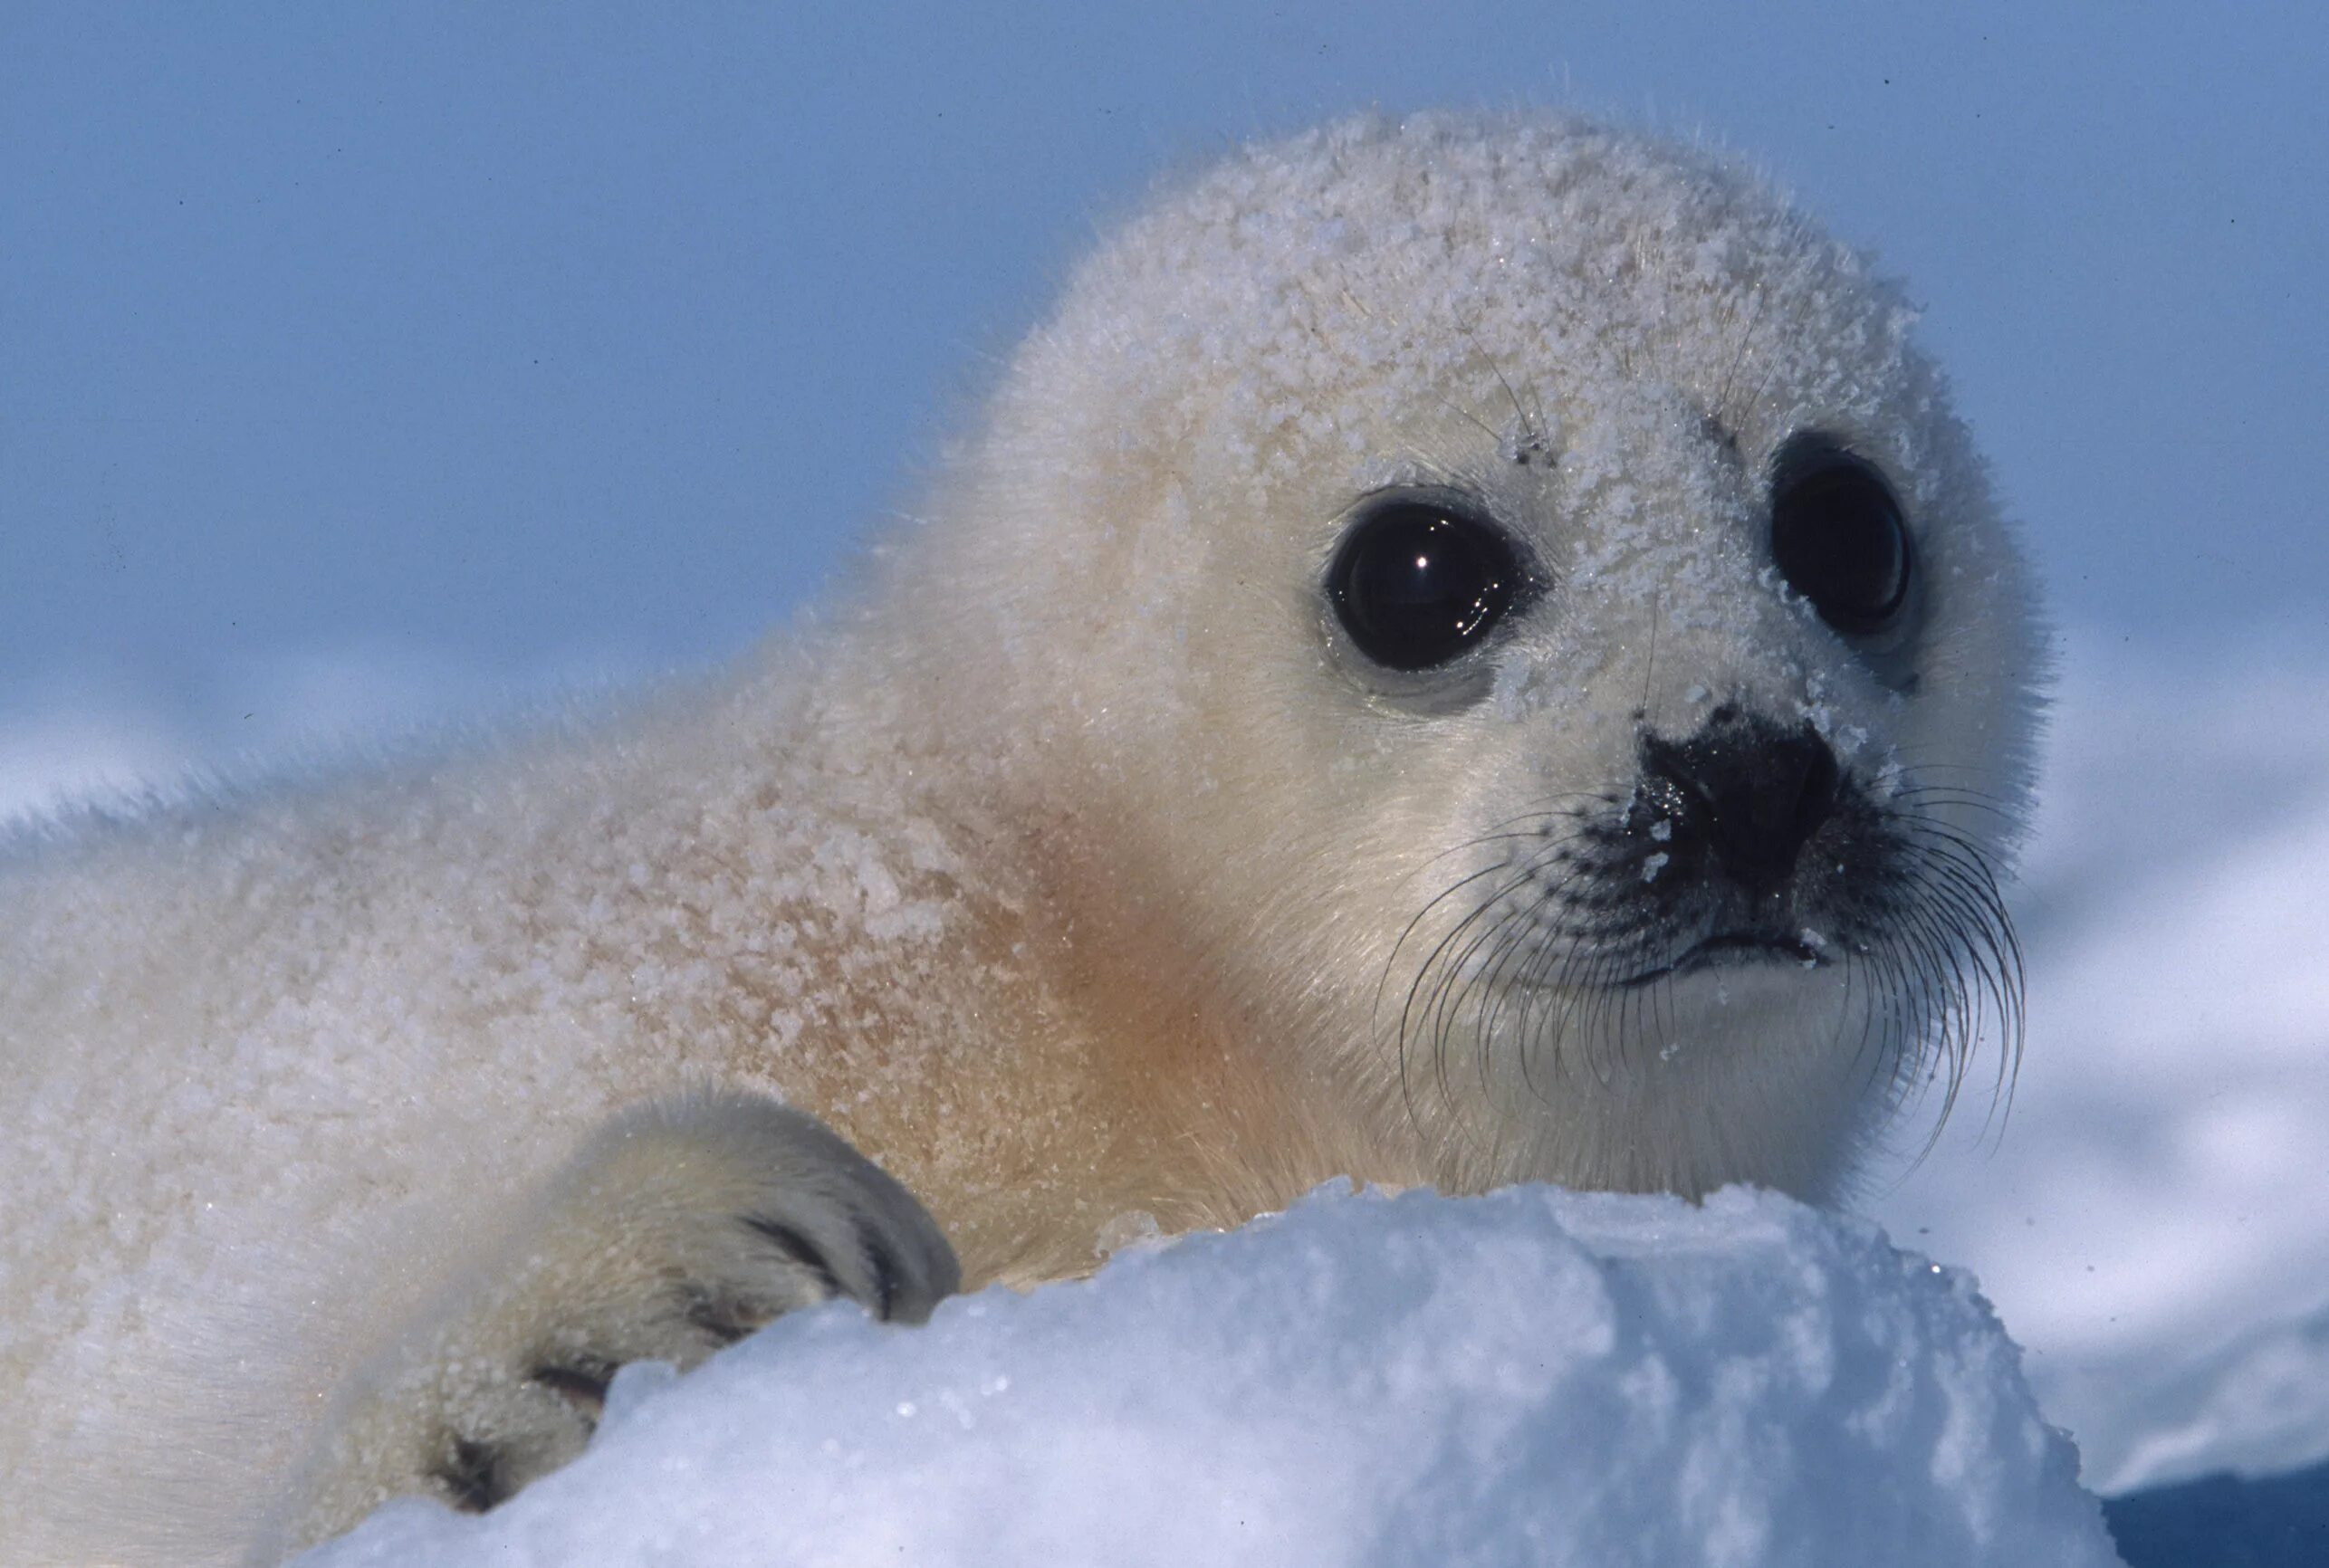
(103,737)
(1529,1378)
(2245,1410)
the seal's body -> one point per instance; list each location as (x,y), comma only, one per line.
(1466,651)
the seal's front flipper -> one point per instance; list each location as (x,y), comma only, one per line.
(680,1226)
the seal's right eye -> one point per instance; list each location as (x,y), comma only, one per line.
(1418,582)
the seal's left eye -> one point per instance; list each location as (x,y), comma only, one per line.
(1418,582)
(1837,536)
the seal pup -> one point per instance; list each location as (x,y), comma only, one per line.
(1468,649)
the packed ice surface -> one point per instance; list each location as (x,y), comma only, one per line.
(1532,1377)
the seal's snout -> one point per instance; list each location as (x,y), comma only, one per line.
(1748,791)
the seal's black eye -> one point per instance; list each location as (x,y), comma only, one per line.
(1418,581)
(1837,536)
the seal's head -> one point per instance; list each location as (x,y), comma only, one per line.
(1510,605)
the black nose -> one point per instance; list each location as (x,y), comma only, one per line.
(1752,791)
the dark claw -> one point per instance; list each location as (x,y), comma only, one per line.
(884,1267)
(798,1249)
(584,1386)
(471,1473)
(720,1319)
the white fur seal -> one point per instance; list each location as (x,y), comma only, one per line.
(1466,650)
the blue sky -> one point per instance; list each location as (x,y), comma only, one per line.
(522,333)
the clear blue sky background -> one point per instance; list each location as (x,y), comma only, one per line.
(518,331)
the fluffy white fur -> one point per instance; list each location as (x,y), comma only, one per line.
(1081,873)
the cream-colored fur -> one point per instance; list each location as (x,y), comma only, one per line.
(1081,871)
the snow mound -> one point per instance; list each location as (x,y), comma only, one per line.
(1531,1377)
(2257,1407)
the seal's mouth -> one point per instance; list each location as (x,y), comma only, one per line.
(1732,950)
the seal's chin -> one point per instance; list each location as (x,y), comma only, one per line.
(1743,949)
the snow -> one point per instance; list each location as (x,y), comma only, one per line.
(1531,1376)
